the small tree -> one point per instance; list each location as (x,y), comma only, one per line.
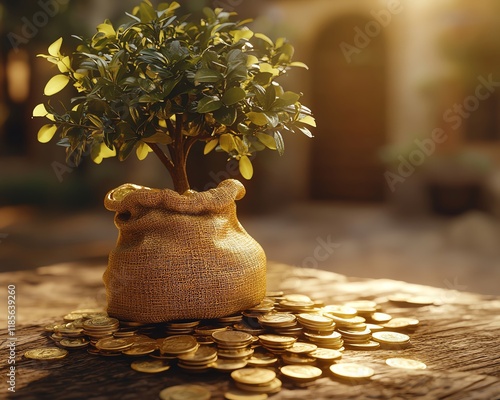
(161,82)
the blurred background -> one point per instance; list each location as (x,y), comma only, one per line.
(402,179)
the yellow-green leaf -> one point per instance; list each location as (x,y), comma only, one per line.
(308,120)
(56,84)
(227,142)
(299,64)
(251,60)
(64,64)
(246,168)
(241,34)
(264,38)
(55,48)
(142,151)
(41,111)
(266,140)
(265,67)
(210,146)
(100,152)
(107,29)
(257,118)
(46,133)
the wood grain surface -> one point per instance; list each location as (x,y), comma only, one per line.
(458,339)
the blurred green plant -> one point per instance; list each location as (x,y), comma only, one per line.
(161,81)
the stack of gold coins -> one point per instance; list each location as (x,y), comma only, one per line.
(296,303)
(256,380)
(300,354)
(358,340)
(230,320)
(277,344)
(391,340)
(174,346)
(199,361)
(316,323)
(278,321)
(332,341)
(233,345)
(83,314)
(70,335)
(301,373)
(356,323)
(111,346)
(340,310)
(141,346)
(100,327)
(181,327)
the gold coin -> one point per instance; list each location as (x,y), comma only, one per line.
(46,353)
(253,376)
(301,372)
(367,345)
(298,359)
(390,337)
(114,344)
(401,323)
(235,394)
(100,322)
(222,364)
(232,337)
(140,349)
(185,392)
(351,371)
(272,387)
(150,366)
(74,343)
(278,339)
(180,344)
(326,354)
(203,353)
(276,319)
(314,319)
(405,363)
(260,359)
(302,348)
(380,317)
(340,311)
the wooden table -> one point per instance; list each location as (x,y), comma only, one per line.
(458,339)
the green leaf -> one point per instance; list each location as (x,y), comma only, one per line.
(233,95)
(210,146)
(257,118)
(241,34)
(56,84)
(226,115)
(267,140)
(206,75)
(46,133)
(246,168)
(208,104)
(226,142)
(126,149)
(287,99)
(304,130)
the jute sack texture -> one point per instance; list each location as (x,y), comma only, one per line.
(181,256)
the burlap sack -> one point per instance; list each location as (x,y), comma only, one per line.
(181,257)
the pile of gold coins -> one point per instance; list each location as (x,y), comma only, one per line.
(287,337)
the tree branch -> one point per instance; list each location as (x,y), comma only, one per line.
(163,157)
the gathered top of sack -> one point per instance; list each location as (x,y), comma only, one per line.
(127,197)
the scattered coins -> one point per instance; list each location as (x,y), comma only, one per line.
(391,338)
(46,353)
(301,373)
(150,366)
(351,371)
(185,392)
(405,363)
